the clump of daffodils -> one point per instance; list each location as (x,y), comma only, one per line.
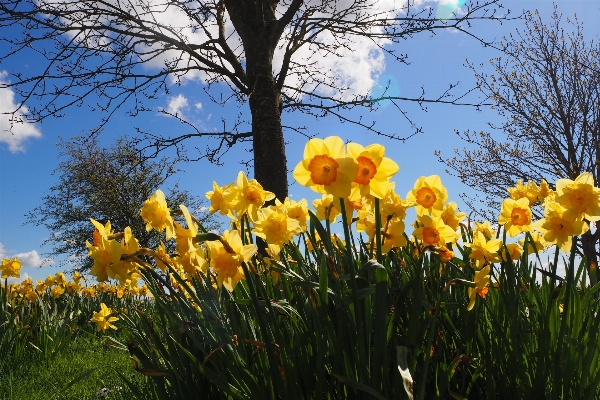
(354,182)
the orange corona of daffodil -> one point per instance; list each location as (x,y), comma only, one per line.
(103,318)
(326,168)
(156,215)
(580,195)
(374,170)
(482,279)
(429,195)
(445,254)
(433,231)
(515,216)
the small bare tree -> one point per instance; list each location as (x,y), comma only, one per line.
(547,87)
(107,184)
(274,55)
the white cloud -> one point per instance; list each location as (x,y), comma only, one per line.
(18,280)
(29,259)
(176,104)
(355,69)
(33,259)
(14,134)
(198,106)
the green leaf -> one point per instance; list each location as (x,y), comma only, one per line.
(357,386)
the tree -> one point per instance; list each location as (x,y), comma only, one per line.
(105,184)
(547,88)
(266,53)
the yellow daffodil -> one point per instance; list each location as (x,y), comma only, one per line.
(49,280)
(451,216)
(580,195)
(275,227)
(298,211)
(77,277)
(250,196)
(393,236)
(433,231)
(482,279)
(545,191)
(226,261)
(326,168)
(221,199)
(374,170)
(326,208)
(156,214)
(57,291)
(103,318)
(485,228)
(445,254)
(105,253)
(514,252)
(429,195)
(392,206)
(41,286)
(11,268)
(60,278)
(366,221)
(123,269)
(483,250)
(88,292)
(538,239)
(560,225)
(530,190)
(515,216)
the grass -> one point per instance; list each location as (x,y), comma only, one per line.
(48,380)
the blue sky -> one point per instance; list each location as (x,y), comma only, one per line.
(28,159)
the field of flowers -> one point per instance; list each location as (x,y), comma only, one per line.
(279,307)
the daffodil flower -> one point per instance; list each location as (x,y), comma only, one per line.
(326,168)
(515,216)
(374,170)
(482,279)
(429,195)
(103,318)
(156,214)
(580,195)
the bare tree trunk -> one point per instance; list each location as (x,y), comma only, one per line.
(260,31)
(270,164)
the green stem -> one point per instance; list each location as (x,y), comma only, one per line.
(362,360)
(378,233)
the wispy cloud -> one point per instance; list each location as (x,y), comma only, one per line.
(177,104)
